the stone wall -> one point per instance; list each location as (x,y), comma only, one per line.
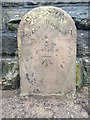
(11,17)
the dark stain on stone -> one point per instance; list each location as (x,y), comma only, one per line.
(71,32)
(27,77)
(34,79)
(56,50)
(46,42)
(37,90)
(54,43)
(26,59)
(56,12)
(69,48)
(27,19)
(61,66)
(49,11)
(38,26)
(33,31)
(32,74)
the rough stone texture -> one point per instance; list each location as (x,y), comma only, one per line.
(82,44)
(9,44)
(79,12)
(79,73)
(16,106)
(43,1)
(12,13)
(10,74)
(86,70)
(47,52)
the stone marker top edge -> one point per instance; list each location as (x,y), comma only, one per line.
(46,8)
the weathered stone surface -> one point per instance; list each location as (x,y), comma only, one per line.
(86,70)
(82,24)
(9,44)
(79,73)
(47,52)
(10,74)
(82,43)
(13,12)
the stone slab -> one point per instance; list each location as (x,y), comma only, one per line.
(47,52)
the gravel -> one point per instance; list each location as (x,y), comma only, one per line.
(16,106)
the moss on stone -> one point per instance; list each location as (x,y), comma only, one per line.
(12,27)
(6,54)
(78,75)
(83,24)
(10,76)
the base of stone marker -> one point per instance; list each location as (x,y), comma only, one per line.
(69,96)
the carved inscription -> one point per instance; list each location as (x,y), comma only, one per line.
(47,61)
(53,25)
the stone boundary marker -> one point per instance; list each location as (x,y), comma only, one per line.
(47,52)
